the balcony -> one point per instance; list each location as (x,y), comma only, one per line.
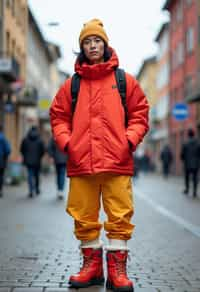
(9,68)
(28,96)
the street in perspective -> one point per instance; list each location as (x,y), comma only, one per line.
(38,250)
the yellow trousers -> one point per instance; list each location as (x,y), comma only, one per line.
(84,202)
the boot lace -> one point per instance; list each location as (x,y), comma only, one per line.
(86,263)
(121,267)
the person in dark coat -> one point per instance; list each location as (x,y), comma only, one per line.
(166,158)
(59,159)
(5,150)
(190,155)
(32,149)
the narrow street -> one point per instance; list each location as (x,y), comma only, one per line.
(38,250)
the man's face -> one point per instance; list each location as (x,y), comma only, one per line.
(93,47)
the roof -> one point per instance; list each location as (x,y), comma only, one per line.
(150,60)
(54,50)
(162,29)
(40,35)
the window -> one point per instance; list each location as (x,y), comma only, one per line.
(13,47)
(199,29)
(162,107)
(175,95)
(173,60)
(180,54)
(179,12)
(188,85)
(8,42)
(8,3)
(188,2)
(190,39)
(13,7)
(163,76)
(163,45)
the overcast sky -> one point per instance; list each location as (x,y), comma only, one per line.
(131,26)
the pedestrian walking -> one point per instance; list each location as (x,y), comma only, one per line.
(32,149)
(136,159)
(5,151)
(59,159)
(166,158)
(146,162)
(99,131)
(190,155)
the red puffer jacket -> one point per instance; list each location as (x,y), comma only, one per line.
(95,138)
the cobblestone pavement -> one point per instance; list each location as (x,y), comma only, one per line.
(38,251)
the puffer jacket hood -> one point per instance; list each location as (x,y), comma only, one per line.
(97,71)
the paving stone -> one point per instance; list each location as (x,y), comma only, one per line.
(38,250)
(89,289)
(145,290)
(28,290)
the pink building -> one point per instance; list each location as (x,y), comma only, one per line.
(184,36)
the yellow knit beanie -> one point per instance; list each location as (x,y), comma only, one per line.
(93,27)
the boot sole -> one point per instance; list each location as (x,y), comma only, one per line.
(110,286)
(95,281)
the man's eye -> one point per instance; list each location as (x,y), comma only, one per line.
(86,42)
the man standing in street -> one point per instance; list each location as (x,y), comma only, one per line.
(99,142)
(190,155)
(32,149)
(4,153)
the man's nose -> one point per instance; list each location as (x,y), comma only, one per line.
(92,45)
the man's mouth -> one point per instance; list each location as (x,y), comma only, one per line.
(93,53)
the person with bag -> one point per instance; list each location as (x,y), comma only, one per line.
(190,156)
(99,131)
(5,151)
(59,159)
(32,149)
(166,158)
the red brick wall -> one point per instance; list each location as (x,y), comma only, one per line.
(177,129)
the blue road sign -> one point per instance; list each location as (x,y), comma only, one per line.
(180,111)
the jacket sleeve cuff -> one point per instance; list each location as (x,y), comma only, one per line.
(62,142)
(133,141)
(132,147)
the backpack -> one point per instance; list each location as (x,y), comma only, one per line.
(121,85)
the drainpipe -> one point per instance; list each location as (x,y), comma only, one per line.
(1,54)
(1,25)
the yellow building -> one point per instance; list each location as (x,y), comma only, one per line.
(147,78)
(13,48)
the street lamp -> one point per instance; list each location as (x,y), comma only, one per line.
(53,23)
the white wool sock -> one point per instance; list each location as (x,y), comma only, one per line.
(96,243)
(117,244)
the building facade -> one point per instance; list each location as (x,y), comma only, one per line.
(38,68)
(161,120)
(13,54)
(147,78)
(184,69)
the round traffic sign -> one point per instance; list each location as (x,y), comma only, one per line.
(180,111)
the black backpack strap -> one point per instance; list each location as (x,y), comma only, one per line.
(75,86)
(120,76)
